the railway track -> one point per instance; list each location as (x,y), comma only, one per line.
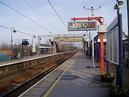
(21,87)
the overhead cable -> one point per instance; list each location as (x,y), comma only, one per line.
(10,28)
(29,5)
(23,15)
(5,27)
(57,14)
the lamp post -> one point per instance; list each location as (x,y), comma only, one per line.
(12,31)
(119,67)
(33,45)
(33,37)
(102,30)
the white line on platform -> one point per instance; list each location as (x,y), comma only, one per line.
(55,83)
(39,81)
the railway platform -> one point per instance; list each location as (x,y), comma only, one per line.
(71,79)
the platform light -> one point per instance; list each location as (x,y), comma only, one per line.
(118,5)
(104,40)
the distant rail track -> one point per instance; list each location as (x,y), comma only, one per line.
(26,73)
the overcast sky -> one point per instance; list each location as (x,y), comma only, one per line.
(46,20)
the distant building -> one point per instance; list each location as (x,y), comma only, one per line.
(9,52)
(6,54)
(45,49)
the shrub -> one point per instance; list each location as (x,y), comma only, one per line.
(118,92)
(107,77)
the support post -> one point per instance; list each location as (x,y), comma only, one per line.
(119,79)
(84,44)
(11,40)
(102,30)
(101,53)
(119,67)
(93,60)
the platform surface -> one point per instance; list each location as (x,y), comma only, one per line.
(71,79)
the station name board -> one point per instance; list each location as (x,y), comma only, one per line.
(82,26)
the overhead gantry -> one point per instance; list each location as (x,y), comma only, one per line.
(70,38)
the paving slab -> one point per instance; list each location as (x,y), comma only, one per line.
(71,79)
(79,81)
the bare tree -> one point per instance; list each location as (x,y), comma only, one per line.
(4,46)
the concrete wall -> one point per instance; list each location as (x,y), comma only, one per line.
(9,68)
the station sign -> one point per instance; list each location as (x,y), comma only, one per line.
(82,26)
(68,39)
